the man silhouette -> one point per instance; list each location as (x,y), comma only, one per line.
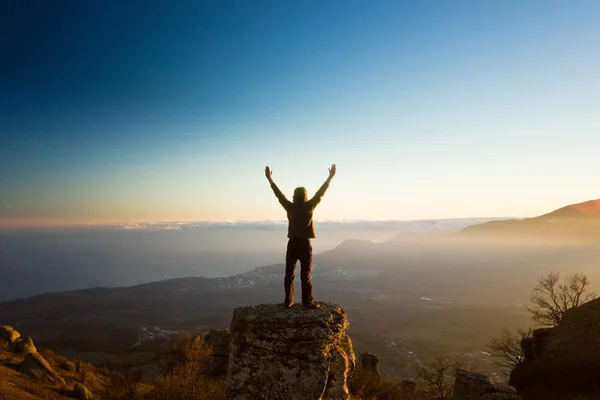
(300,231)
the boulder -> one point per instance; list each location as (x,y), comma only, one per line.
(81,392)
(8,334)
(218,339)
(293,354)
(24,345)
(37,367)
(472,386)
(541,340)
(563,361)
(527,348)
(369,367)
(68,366)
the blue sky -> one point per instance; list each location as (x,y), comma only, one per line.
(171,110)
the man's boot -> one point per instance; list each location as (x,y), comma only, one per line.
(311,305)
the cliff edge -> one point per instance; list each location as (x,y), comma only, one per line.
(296,354)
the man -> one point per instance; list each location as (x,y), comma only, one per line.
(300,231)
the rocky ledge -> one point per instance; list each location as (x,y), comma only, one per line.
(296,354)
(563,362)
(473,386)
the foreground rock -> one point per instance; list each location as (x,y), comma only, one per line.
(8,334)
(24,345)
(218,339)
(293,354)
(81,392)
(68,366)
(37,367)
(563,362)
(369,367)
(472,386)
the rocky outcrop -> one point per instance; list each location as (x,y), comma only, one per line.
(472,386)
(16,343)
(24,345)
(293,354)
(218,339)
(563,361)
(37,367)
(8,334)
(369,367)
(68,366)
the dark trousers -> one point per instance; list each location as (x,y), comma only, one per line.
(298,249)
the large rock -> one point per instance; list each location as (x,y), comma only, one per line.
(563,361)
(218,339)
(81,392)
(68,366)
(37,367)
(292,354)
(369,367)
(472,386)
(8,334)
(24,345)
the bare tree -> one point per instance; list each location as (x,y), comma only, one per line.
(551,298)
(437,374)
(507,348)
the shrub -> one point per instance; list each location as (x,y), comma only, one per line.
(186,372)
(118,386)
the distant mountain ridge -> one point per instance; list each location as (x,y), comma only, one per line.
(579,221)
(587,209)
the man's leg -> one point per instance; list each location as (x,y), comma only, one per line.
(305,269)
(290,267)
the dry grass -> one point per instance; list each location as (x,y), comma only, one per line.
(185,375)
(186,372)
(15,385)
(118,386)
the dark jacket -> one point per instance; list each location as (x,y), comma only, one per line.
(300,214)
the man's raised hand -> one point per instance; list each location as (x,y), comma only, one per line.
(331,171)
(269,174)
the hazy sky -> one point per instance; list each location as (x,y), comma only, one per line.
(170,110)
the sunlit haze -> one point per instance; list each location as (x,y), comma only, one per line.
(118,111)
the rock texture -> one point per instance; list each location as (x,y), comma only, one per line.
(81,392)
(8,334)
(564,361)
(218,339)
(24,345)
(68,366)
(472,386)
(37,367)
(369,367)
(292,354)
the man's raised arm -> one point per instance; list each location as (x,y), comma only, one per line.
(280,196)
(317,197)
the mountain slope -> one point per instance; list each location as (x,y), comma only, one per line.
(579,221)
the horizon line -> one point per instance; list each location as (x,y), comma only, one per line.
(53,223)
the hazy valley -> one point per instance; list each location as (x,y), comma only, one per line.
(415,291)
